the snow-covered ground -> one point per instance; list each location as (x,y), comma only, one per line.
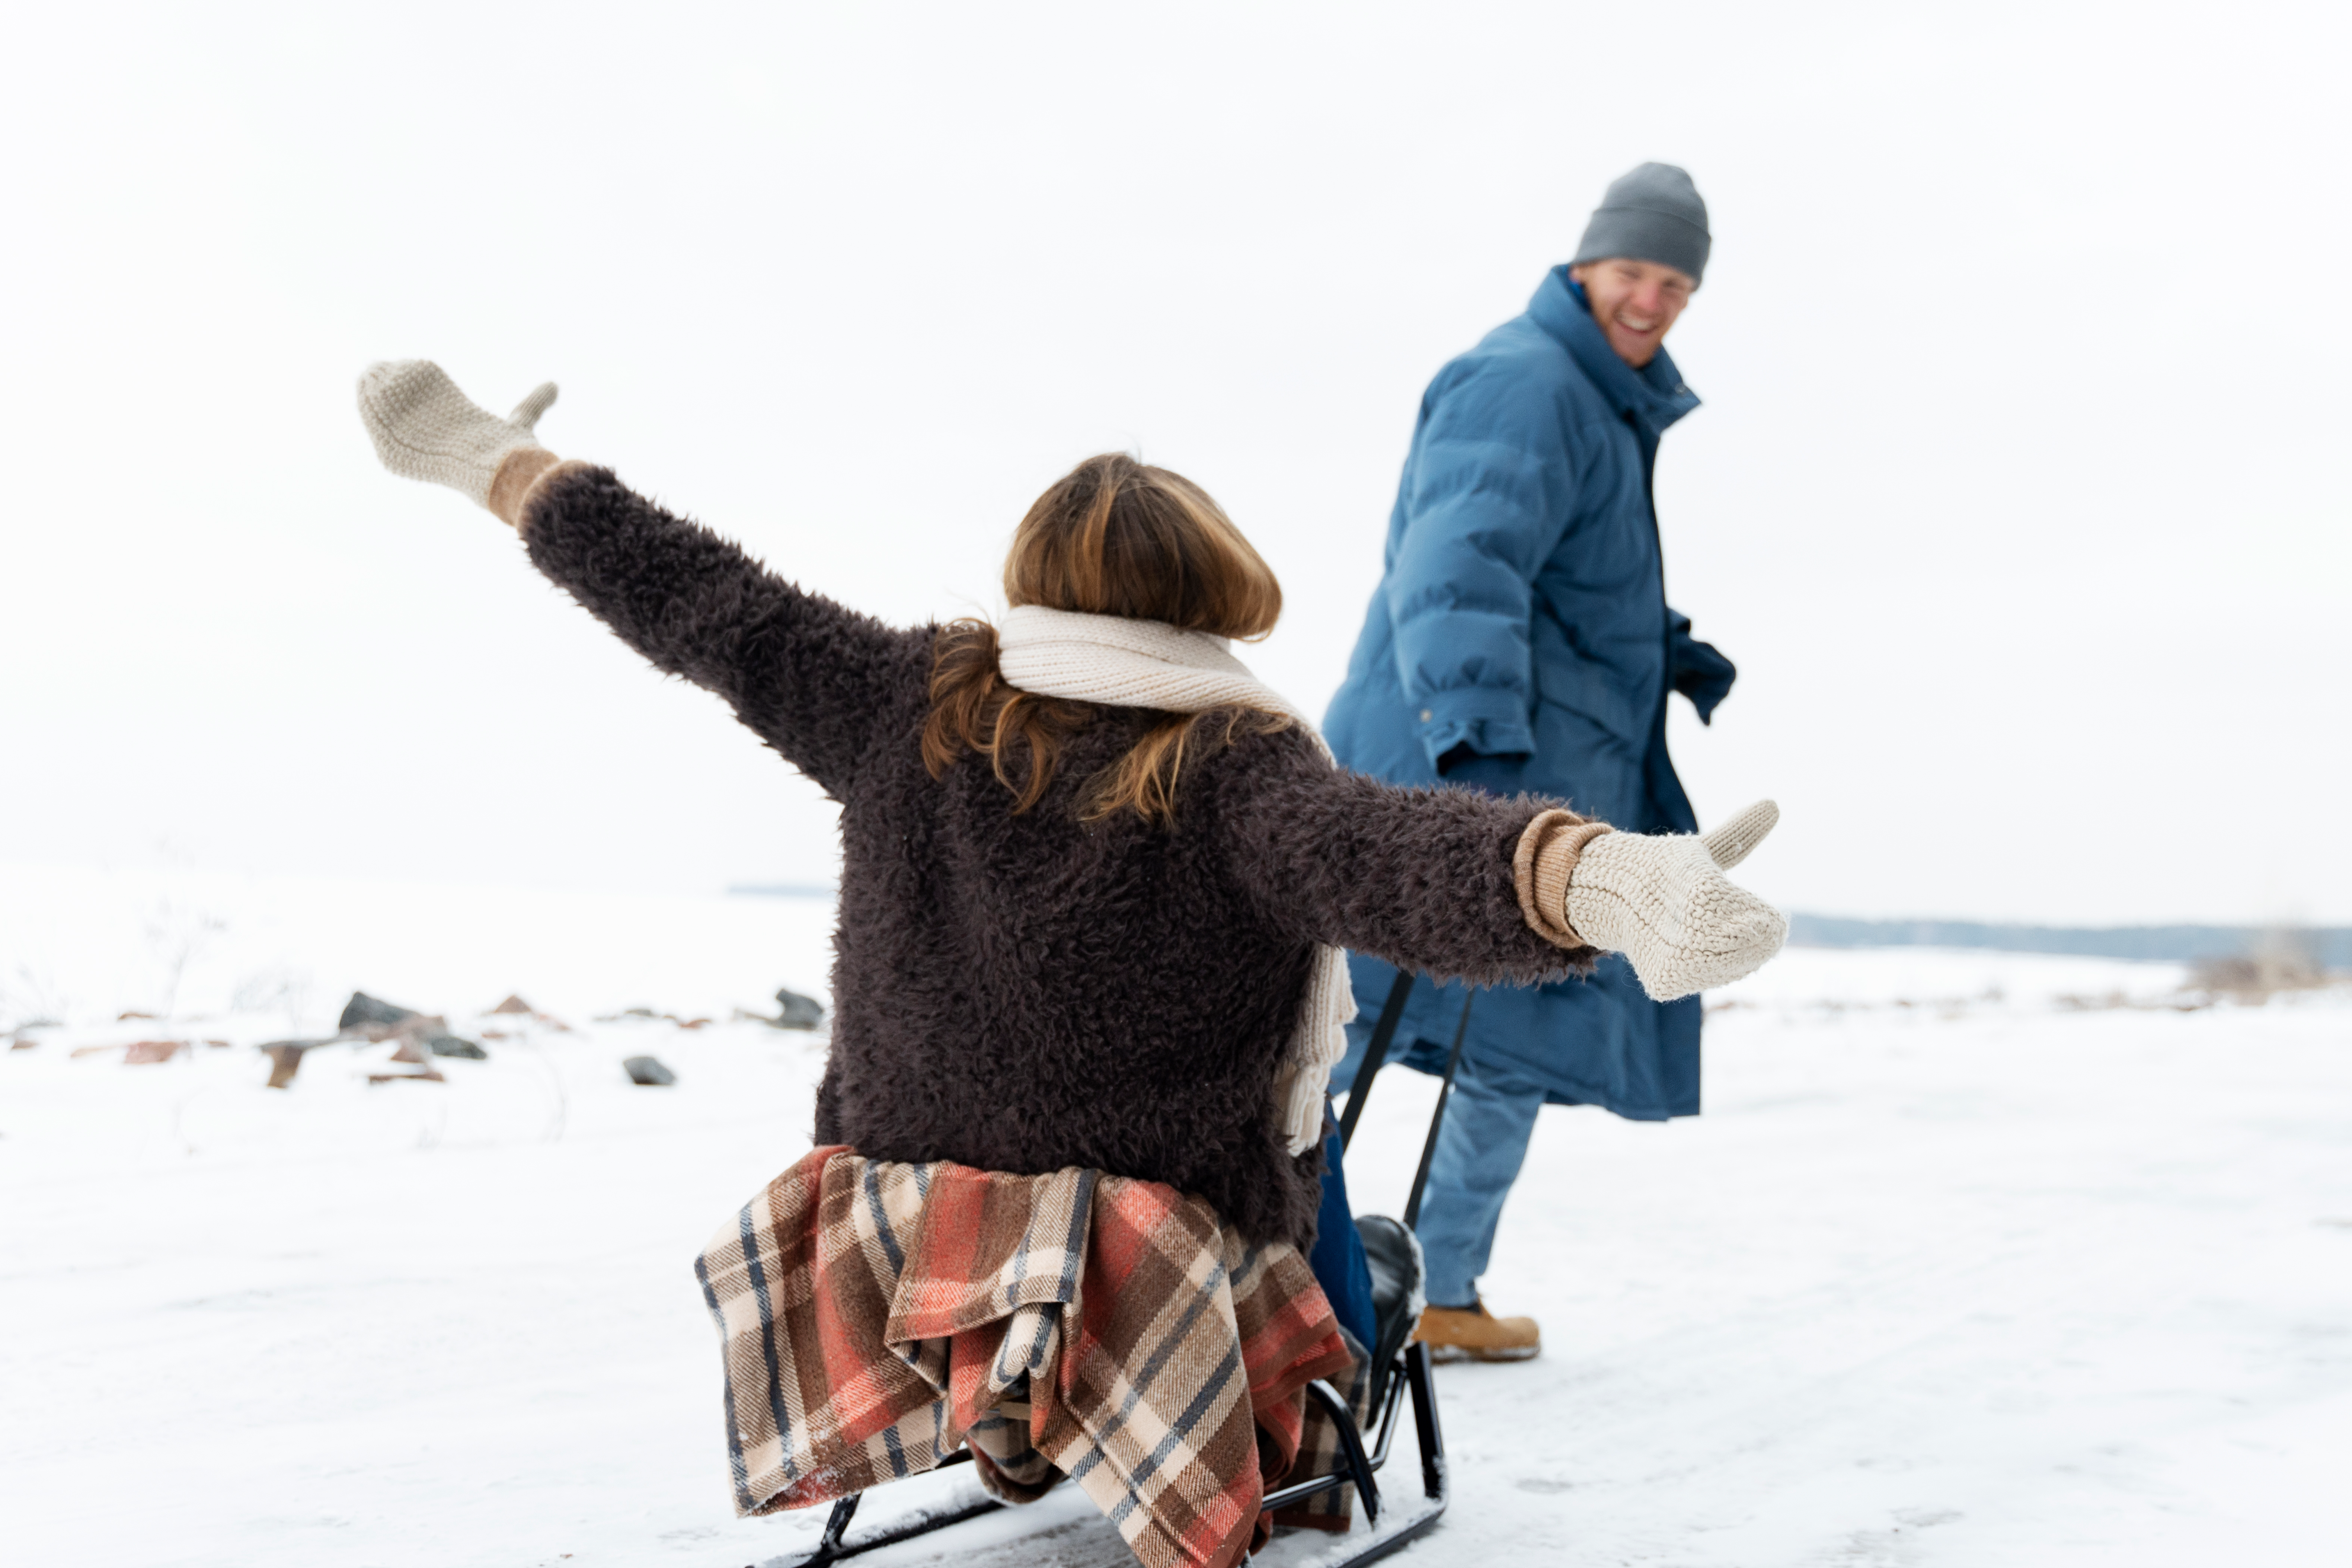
(1974,1258)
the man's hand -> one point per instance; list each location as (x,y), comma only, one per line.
(1665,903)
(425,428)
(1497,775)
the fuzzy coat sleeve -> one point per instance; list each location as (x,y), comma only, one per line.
(816,681)
(1420,878)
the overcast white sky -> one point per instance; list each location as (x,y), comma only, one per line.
(2018,494)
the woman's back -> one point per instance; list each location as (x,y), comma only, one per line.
(1027,990)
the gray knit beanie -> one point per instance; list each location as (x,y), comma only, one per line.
(1653,214)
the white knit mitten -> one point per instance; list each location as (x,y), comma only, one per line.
(1663,902)
(425,428)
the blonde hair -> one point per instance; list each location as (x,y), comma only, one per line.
(1112,537)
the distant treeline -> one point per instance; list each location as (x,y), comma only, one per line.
(2330,946)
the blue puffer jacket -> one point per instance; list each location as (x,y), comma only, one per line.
(1523,613)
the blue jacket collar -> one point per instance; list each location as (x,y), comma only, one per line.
(1654,394)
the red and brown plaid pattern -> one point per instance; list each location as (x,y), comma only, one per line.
(1319,1452)
(875,1317)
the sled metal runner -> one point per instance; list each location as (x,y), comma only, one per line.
(1401,1371)
(1410,1374)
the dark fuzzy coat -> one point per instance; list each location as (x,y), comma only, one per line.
(1027,993)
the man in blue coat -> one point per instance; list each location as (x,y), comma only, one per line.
(1521,639)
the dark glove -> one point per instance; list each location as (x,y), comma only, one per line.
(1698,669)
(1497,775)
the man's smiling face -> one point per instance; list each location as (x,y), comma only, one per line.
(1635,303)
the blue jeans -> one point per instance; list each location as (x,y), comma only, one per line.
(1337,1259)
(1481,1145)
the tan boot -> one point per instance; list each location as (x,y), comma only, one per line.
(1474,1333)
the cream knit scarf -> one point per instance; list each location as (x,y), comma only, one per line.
(1149,664)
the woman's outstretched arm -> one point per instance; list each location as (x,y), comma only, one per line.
(1461,885)
(1424,879)
(818,682)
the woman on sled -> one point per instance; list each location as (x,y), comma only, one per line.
(1096,885)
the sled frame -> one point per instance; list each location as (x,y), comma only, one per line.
(1359,1468)
(1407,1375)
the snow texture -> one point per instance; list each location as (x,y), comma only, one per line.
(1973,1258)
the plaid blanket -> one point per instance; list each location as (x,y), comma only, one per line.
(874,1317)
